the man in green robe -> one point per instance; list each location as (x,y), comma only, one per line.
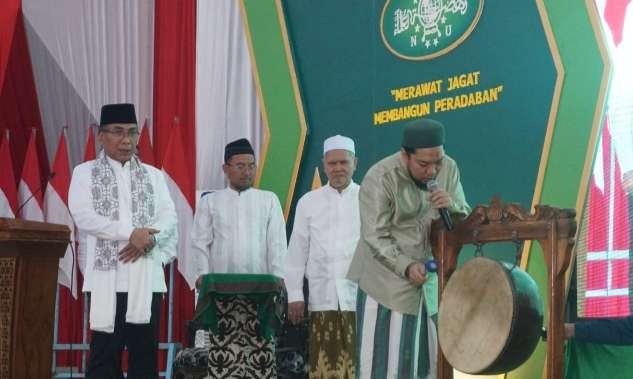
(395,336)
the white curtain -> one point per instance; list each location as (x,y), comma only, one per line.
(86,54)
(226,99)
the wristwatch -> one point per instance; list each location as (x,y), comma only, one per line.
(147,250)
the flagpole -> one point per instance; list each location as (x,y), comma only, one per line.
(84,336)
(170,312)
(55,328)
(89,150)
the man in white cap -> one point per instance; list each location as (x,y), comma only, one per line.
(325,233)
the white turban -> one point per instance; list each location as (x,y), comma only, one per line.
(338,142)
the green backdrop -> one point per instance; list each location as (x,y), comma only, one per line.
(345,75)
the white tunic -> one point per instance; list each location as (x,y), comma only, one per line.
(239,232)
(93,225)
(324,237)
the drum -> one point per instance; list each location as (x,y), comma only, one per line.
(490,317)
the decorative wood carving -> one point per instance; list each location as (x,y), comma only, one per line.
(554,229)
(29,260)
(7,275)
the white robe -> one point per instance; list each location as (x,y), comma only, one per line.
(324,237)
(239,232)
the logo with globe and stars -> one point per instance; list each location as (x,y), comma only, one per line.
(426,29)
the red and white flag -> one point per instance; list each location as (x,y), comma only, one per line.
(90,154)
(614,14)
(607,285)
(8,192)
(180,185)
(30,197)
(56,211)
(71,310)
(144,147)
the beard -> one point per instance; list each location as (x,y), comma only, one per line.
(241,186)
(420,184)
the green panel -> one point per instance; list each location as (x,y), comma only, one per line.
(346,74)
(594,361)
(278,96)
(583,67)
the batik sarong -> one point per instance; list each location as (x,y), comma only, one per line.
(332,339)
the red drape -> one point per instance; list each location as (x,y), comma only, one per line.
(19,110)
(71,311)
(70,323)
(174,77)
(9,10)
(174,96)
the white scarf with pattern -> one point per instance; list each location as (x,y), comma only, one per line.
(105,201)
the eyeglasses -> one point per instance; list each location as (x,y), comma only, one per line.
(243,166)
(121,133)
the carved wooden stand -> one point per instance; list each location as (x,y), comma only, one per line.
(553,228)
(29,257)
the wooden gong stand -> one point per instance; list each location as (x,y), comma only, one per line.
(553,228)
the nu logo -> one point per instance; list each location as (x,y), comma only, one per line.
(426,29)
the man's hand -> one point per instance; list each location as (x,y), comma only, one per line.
(440,199)
(416,273)
(142,239)
(570,330)
(295,311)
(141,242)
(130,253)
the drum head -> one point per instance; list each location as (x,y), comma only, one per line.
(475,315)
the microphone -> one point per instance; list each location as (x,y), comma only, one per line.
(39,189)
(431,265)
(432,185)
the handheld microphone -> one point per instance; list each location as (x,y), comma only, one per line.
(431,265)
(432,185)
(39,189)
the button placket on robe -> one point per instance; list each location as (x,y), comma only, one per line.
(331,244)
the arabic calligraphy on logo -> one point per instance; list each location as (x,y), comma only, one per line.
(426,29)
